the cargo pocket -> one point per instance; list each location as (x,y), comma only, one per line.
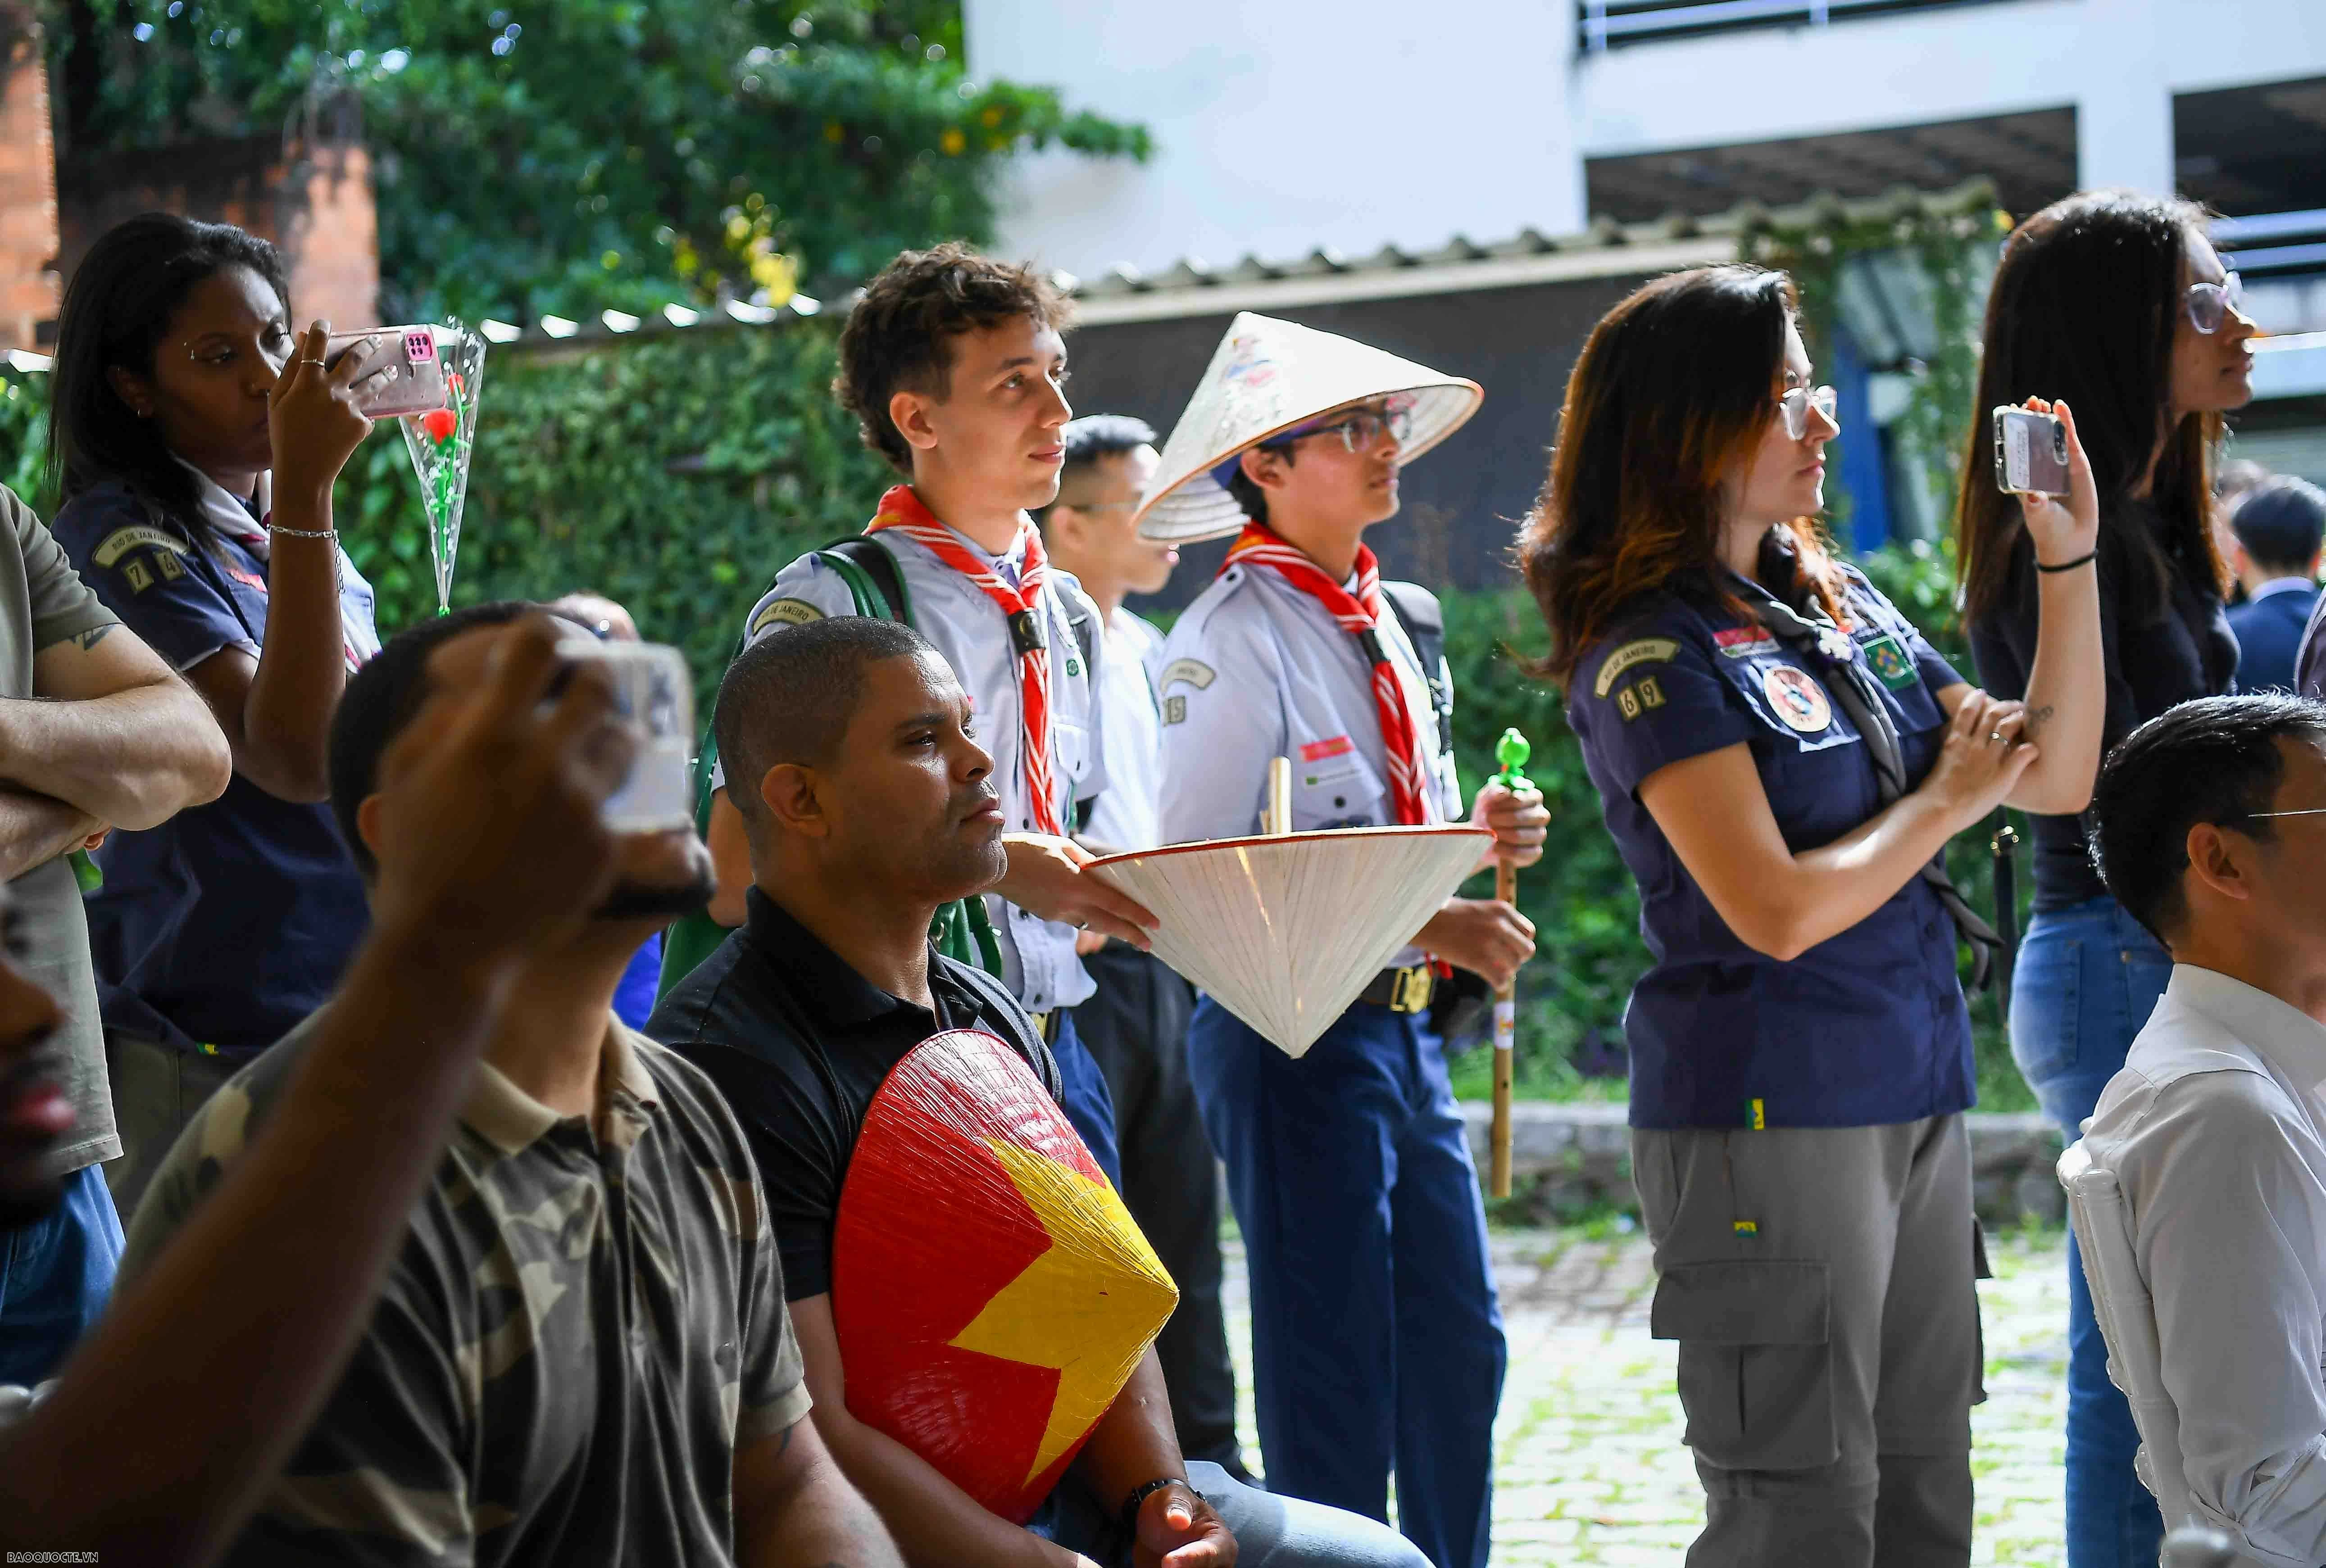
(1755,1361)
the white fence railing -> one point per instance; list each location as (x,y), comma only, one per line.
(1612,24)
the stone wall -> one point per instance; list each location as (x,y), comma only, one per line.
(1570,1160)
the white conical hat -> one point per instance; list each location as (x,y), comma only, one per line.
(1268,376)
(1284,931)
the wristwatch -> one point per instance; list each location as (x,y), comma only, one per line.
(1144,1490)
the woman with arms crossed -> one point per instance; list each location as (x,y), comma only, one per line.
(1781,757)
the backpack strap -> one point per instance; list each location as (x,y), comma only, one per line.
(1021,1032)
(872,576)
(1423,620)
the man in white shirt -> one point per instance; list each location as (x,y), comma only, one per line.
(2211,829)
(1136,1023)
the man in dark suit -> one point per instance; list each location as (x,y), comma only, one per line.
(2278,524)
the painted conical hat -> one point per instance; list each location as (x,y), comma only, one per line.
(1284,931)
(1267,377)
(990,1294)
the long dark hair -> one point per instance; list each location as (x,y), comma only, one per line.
(118,306)
(2084,306)
(1675,386)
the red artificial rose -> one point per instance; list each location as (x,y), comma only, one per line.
(440,424)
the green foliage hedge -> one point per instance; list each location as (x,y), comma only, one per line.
(678,477)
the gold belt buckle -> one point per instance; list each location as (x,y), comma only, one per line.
(1409,992)
(1041,1022)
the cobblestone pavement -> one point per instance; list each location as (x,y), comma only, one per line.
(1591,1470)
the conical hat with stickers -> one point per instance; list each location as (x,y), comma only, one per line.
(990,1294)
(1267,377)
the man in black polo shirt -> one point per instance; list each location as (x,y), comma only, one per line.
(849,752)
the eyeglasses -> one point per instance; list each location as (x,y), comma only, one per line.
(1795,407)
(1359,432)
(2209,305)
(2251,816)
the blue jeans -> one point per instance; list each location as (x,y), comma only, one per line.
(2088,975)
(1088,1105)
(1270,1531)
(55,1276)
(1376,1336)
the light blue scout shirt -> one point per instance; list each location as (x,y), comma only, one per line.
(1037,956)
(1127,816)
(1256,670)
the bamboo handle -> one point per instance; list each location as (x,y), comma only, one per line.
(1506,889)
(1279,819)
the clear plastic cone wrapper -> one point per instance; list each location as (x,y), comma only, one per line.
(441,442)
(1284,931)
(990,1294)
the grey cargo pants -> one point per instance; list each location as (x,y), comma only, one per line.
(1818,1281)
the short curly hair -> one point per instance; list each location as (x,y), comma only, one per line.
(900,333)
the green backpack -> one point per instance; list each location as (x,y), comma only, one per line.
(961,930)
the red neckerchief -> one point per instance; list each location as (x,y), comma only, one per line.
(1359,614)
(902,511)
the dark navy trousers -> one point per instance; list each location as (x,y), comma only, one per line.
(1377,1338)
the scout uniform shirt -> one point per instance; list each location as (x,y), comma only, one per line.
(226,926)
(1037,956)
(1255,670)
(585,1323)
(1128,815)
(1867,1028)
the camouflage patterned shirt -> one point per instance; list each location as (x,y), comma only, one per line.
(582,1327)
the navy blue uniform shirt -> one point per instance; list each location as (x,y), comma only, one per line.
(2269,627)
(1869,1027)
(224,927)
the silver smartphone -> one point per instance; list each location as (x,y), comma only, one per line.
(401,373)
(2031,452)
(654,689)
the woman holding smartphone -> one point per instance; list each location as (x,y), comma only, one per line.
(1781,757)
(179,392)
(2118,304)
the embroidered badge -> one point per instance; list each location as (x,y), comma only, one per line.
(1175,710)
(1644,695)
(1074,667)
(122,541)
(1745,642)
(136,574)
(1646,651)
(785,612)
(1887,658)
(1194,671)
(1798,700)
(1318,750)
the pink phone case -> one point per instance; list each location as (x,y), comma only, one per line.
(403,374)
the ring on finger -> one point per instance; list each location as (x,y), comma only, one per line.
(1994,737)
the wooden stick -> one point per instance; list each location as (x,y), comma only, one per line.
(1277,822)
(1511,751)
(1506,888)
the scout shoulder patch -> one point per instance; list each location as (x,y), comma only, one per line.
(1797,699)
(1644,695)
(1886,657)
(1644,651)
(1194,671)
(122,541)
(785,612)
(1745,642)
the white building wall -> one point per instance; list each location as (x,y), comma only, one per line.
(1281,128)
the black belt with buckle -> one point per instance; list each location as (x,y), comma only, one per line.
(1401,991)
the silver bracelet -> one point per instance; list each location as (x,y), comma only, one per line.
(304,532)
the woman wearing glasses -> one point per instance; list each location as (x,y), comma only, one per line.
(1781,757)
(1377,1337)
(2118,304)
